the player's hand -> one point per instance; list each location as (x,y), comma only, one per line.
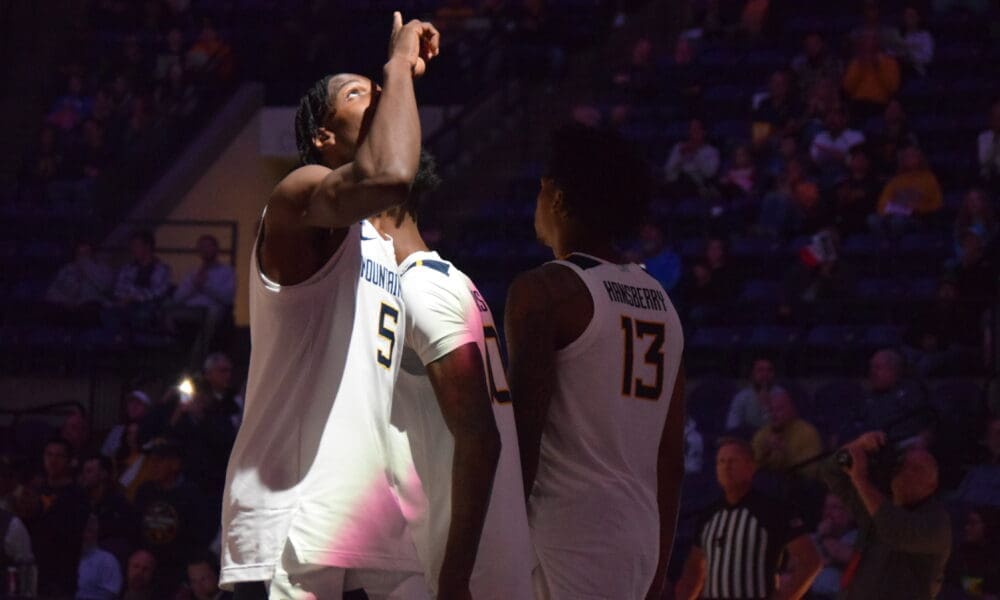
(416,42)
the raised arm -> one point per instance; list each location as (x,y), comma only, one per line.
(530,328)
(670,473)
(463,395)
(387,156)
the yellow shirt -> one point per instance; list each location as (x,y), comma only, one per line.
(798,441)
(874,82)
(917,192)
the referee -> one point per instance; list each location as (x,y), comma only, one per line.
(739,542)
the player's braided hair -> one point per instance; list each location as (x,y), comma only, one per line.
(313,108)
(606,183)
(426,181)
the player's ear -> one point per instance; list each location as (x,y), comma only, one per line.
(559,207)
(323,138)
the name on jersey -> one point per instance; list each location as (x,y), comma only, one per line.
(637,297)
(378,274)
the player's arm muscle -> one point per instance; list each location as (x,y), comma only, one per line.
(460,386)
(669,475)
(692,577)
(379,177)
(807,565)
(531,348)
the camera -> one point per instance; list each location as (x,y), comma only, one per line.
(881,465)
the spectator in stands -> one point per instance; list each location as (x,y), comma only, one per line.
(974,567)
(894,136)
(45,164)
(891,404)
(99,576)
(787,440)
(661,262)
(740,178)
(820,100)
(58,520)
(137,404)
(140,575)
(203,578)
(133,62)
(637,79)
(905,536)
(80,288)
(172,53)
(694,447)
(15,542)
(989,150)
(76,430)
(175,521)
(976,215)
(975,272)
(917,42)
(142,284)
(217,379)
(855,198)
(204,297)
(71,108)
(131,462)
(776,112)
(713,281)
(210,52)
(754,18)
(108,504)
(175,96)
(693,163)
(831,147)
(815,64)
(719,565)
(820,275)
(794,205)
(748,409)
(777,162)
(944,336)
(914,192)
(872,77)
(835,537)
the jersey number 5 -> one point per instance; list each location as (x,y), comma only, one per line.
(387,334)
(654,356)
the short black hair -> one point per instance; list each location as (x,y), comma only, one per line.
(204,557)
(60,441)
(740,443)
(103,461)
(426,181)
(606,183)
(145,236)
(312,111)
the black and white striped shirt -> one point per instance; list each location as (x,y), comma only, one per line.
(742,544)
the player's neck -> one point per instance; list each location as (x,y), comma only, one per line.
(573,241)
(406,240)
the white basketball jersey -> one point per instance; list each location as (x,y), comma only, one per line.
(444,312)
(310,462)
(593,508)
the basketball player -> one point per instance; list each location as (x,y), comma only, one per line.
(595,352)
(308,503)
(452,373)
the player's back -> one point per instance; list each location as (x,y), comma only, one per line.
(309,464)
(594,499)
(454,313)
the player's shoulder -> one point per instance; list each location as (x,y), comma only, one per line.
(543,284)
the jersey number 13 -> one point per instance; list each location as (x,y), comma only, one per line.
(636,333)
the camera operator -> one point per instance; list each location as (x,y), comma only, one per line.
(904,539)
